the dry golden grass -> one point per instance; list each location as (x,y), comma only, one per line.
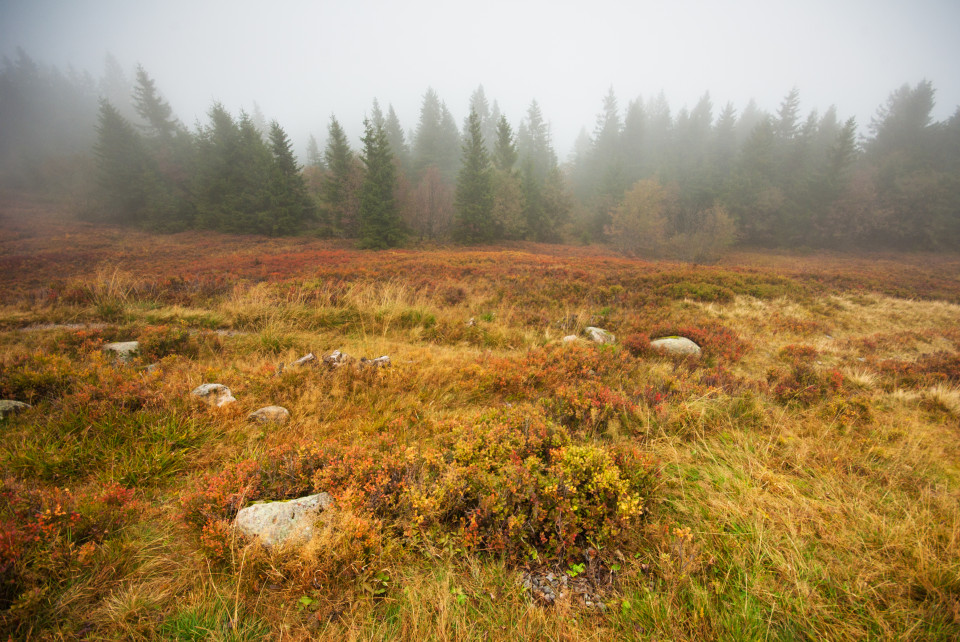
(834,517)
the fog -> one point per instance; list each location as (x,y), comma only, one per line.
(302,61)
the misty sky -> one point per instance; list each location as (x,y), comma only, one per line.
(302,61)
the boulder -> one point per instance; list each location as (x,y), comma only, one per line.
(270,415)
(123,350)
(680,346)
(306,360)
(11,407)
(276,523)
(599,335)
(215,394)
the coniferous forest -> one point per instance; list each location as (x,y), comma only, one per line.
(646,179)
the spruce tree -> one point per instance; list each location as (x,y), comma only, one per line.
(505,149)
(122,164)
(474,197)
(290,205)
(314,158)
(337,184)
(398,143)
(380,223)
(155,112)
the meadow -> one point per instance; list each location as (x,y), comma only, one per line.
(800,480)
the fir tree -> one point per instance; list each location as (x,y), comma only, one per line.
(474,197)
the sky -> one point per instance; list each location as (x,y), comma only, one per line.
(303,61)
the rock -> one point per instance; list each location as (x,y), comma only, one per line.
(276,523)
(270,415)
(570,338)
(336,359)
(383,361)
(12,407)
(680,346)
(124,350)
(303,361)
(599,335)
(215,394)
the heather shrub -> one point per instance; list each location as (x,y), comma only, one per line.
(511,482)
(715,340)
(157,342)
(49,535)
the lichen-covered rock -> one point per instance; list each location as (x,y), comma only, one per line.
(215,394)
(270,415)
(124,350)
(11,407)
(599,335)
(336,359)
(305,360)
(379,362)
(287,522)
(680,346)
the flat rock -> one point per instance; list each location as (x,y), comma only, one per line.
(270,415)
(305,360)
(680,346)
(215,394)
(276,523)
(379,362)
(599,335)
(124,350)
(570,338)
(12,407)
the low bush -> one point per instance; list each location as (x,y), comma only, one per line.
(511,482)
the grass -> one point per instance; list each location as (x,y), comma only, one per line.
(800,481)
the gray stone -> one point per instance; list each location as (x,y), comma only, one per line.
(270,415)
(336,359)
(599,335)
(680,346)
(215,394)
(379,362)
(290,522)
(124,350)
(302,361)
(11,407)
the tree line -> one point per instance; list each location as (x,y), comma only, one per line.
(646,179)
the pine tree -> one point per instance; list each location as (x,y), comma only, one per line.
(380,222)
(474,221)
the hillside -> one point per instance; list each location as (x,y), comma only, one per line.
(798,480)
